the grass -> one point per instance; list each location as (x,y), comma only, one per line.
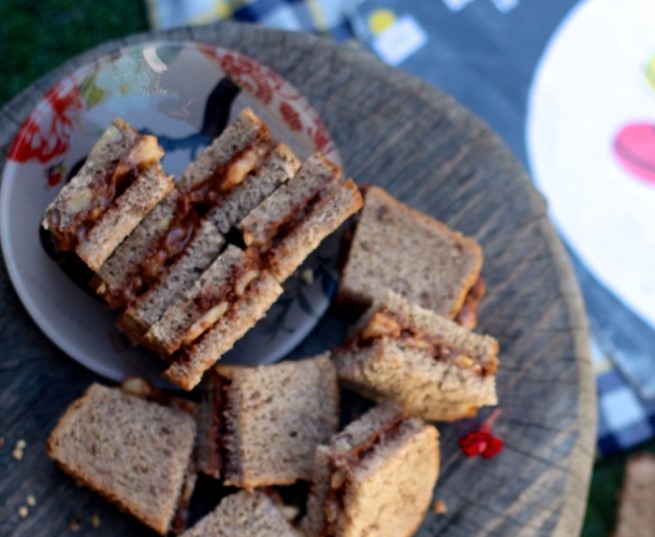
(38,35)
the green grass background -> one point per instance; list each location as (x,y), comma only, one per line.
(38,35)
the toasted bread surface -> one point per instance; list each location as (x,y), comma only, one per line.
(243,514)
(132,451)
(396,247)
(278,414)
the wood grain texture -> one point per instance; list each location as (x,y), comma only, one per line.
(395,131)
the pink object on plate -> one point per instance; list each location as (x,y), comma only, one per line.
(634,147)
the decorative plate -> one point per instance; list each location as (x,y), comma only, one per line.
(185,93)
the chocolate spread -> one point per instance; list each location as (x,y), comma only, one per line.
(190,209)
(105,189)
(468,315)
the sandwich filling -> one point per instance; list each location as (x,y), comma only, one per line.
(191,207)
(275,231)
(343,464)
(468,315)
(87,206)
(217,454)
(389,324)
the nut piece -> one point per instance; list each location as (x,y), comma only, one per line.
(243,282)
(206,321)
(338,479)
(137,386)
(463,361)
(241,167)
(440,507)
(78,201)
(381,325)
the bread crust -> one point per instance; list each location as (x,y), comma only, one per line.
(375,263)
(67,450)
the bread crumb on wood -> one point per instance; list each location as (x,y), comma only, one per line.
(31,500)
(21,444)
(2,442)
(75,524)
(440,507)
(17,454)
(95,520)
(22,511)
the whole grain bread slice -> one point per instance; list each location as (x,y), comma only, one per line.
(325,217)
(150,187)
(396,247)
(375,478)
(276,170)
(244,132)
(146,310)
(244,514)
(62,215)
(275,417)
(132,451)
(188,367)
(262,224)
(124,263)
(203,304)
(430,365)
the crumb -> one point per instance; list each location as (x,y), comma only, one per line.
(17,454)
(31,500)
(440,507)
(21,444)
(22,511)
(307,276)
(75,524)
(2,442)
(95,520)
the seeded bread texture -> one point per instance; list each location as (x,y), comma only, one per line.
(261,225)
(199,307)
(186,372)
(115,272)
(241,133)
(636,517)
(132,451)
(149,188)
(137,319)
(281,165)
(278,414)
(389,368)
(244,514)
(116,139)
(388,491)
(395,247)
(324,218)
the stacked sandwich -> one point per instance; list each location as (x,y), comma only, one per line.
(160,252)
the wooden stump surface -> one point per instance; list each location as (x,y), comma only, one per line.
(398,132)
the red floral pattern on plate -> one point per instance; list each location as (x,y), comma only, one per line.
(270,88)
(47,131)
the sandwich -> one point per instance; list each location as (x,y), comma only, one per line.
(120,182)
(375,478)
(260,426)
(186,232)
(396,247)
(240,287)
(433,367)
(292,222)
(244,514)
(133,446)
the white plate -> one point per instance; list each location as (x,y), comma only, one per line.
(168,89)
